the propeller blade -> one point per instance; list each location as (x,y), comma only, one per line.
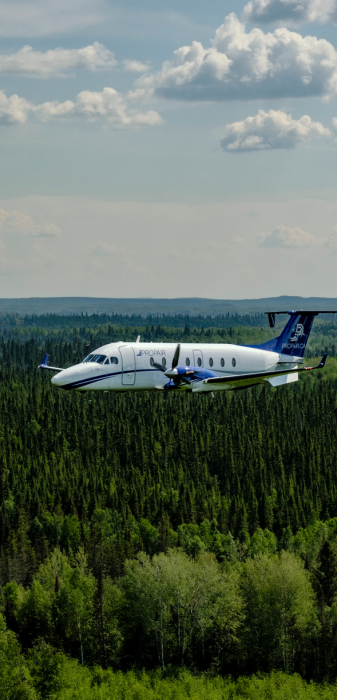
(176,356)
(157,366)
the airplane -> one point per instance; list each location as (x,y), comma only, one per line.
(193,367)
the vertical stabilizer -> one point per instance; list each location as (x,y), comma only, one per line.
(294,336)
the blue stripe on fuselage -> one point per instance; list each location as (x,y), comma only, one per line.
(94,380)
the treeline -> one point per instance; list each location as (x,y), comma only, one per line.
(52,321)
(75,335)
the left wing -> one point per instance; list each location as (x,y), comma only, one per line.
(256,377)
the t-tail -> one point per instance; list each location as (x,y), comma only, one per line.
(295,334)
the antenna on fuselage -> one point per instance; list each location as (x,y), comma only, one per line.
(138,339)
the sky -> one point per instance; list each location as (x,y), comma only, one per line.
(168,149)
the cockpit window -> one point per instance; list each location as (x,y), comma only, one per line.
(98,358)
(87,359)
(114,360)
(95,358)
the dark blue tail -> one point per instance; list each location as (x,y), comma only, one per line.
(295,334)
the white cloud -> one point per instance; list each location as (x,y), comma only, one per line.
(108,105)
(13,109)
(273,129)
(287,237)
(21,224)
(248,65)
(293,11)
(131,66)
(38,64)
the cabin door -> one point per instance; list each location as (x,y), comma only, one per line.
(197,358)
(129,365)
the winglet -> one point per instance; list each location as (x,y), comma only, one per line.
(44,365)
(44,362)
(323,360)
(320,365)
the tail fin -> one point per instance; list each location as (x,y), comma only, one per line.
(294,336)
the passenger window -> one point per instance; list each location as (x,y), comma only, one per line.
(210,362)
(222,362)
(188,361)
(164,361)
(199,361)
(114,360)
(233,361)
(151,361)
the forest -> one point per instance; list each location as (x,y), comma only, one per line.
(184,548)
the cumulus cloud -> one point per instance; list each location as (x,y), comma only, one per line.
(287,237)
(108,105)
(248,65)
(13,109)
(39,64)
(293,11)
(273,129)
(131,66)
(18,223)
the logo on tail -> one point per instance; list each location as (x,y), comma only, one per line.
(298,332)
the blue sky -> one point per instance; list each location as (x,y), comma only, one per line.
(168,149)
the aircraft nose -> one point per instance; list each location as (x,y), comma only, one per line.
(58,380)
(65,378)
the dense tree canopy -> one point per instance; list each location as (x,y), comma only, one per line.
(196,532)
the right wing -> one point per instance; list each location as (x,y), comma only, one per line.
(44,365)
(243,380)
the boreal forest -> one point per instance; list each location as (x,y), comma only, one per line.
(165,549)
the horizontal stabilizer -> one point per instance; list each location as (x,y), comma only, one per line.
(271,314)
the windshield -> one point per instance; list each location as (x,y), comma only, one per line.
(95,358)
(87,359)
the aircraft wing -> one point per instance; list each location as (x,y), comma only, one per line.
(44,365)
(244,380)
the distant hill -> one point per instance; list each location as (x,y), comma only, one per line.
(191,306)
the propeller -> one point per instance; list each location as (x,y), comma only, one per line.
(171,373)
(178,376)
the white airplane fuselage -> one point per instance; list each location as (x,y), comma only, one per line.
(129,366)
